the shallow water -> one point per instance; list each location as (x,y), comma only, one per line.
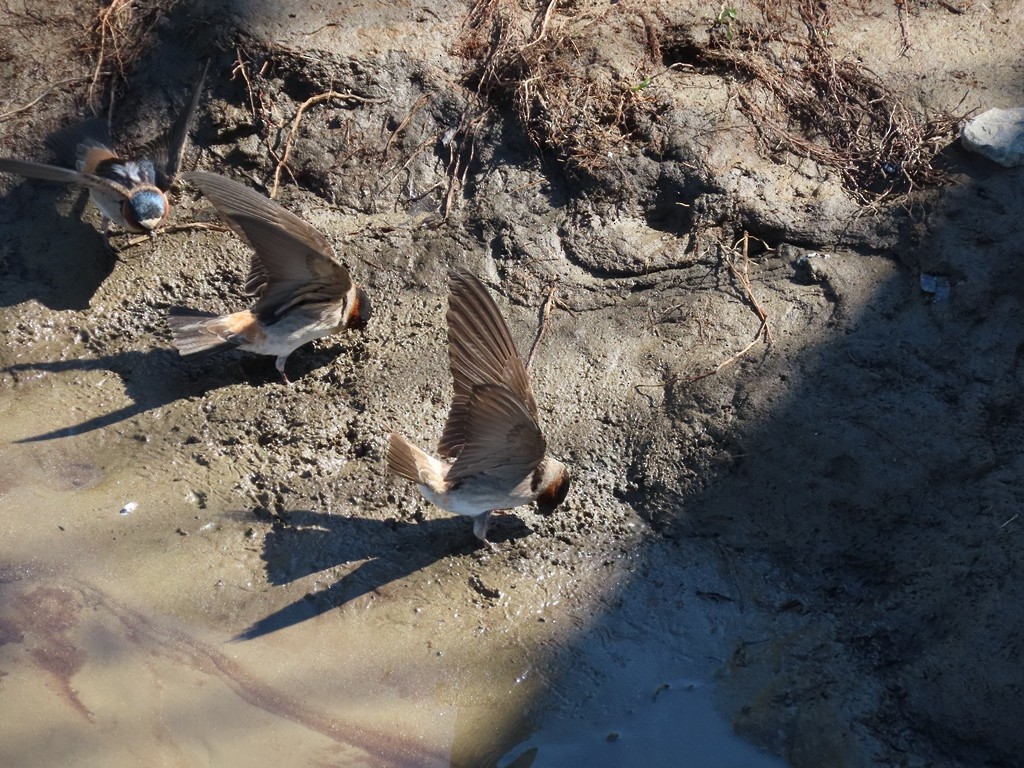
(119,641)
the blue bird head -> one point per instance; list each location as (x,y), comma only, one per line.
(147,208)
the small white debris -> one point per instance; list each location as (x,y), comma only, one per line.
(128,508)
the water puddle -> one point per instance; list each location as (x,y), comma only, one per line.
(126,616)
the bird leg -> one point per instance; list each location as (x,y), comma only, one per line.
(279,364)
(105,231)
(480,528)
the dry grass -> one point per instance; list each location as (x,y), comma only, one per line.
(120,33)
(544,65)
(803,97)
(800,94)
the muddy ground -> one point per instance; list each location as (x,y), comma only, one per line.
(819,541)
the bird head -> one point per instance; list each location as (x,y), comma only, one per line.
(359,312)
(555,490)
(146,209)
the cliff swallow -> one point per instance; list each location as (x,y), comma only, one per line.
(302,292)
(130,193)
(495,452)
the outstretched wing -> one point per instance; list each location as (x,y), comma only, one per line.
(45,172)
(72,142)
(293,263)
(501,437)
(167,151)
(481,352)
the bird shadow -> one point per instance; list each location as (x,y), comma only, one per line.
(144,375)
(303,543)
(58,260)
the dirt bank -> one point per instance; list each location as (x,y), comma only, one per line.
(797,475)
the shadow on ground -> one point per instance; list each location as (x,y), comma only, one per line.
(386,550)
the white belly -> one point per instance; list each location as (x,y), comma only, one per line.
(478,495)
(291,332)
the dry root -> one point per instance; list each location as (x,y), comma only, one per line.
(566,102)
(799,92)
(120,34)
(803,97)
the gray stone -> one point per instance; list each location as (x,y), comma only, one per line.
(998,134)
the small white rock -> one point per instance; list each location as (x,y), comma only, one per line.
(128,508)
(998,134)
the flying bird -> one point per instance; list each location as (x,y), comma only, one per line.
(301,292)
(493,454)
(132,193)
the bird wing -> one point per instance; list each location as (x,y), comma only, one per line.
(501,438)
(168,149)
(480,351)
(72,141)
(293,263)
(45,172)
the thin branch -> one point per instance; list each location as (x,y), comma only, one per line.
(311,101)
(744,281)
(763,331)
(545,314)
(706,374)
(24,108)
(401,126)
(107,32)
(184,226)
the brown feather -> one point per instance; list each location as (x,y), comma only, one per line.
(502,439)
(197,332)
(292,263)
(405,459)
(481,352)
(93,156)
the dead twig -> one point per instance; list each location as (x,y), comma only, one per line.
(401,126)
(243,70)
(542,325)
(541,26)
(408,161)
(901,13)
(311,101)
(25,107)
(740,274)
(764,333)
(260,106)
(458,169)
(106,30)
(705,374)
(122,29)
(184,226)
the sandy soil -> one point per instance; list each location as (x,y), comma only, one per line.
(817,546)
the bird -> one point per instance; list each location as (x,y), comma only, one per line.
(302,293)
(132,193)
(493,454)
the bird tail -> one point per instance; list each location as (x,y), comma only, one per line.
(73,143)
(196,333)
(408,461)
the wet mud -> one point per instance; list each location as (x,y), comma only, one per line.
(799,553)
